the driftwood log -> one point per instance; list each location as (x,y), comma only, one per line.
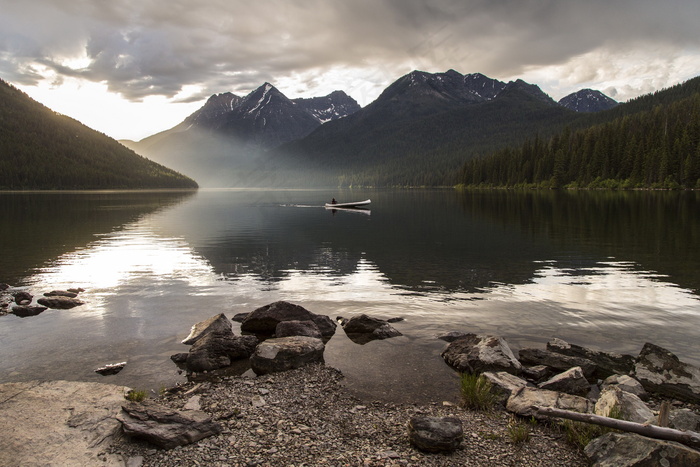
(688,438)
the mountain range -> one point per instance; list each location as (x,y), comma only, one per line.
(412,128)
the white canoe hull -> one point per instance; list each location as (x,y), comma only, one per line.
(349,205)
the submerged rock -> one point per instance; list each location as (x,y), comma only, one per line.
(362,329)
(111,369)
(27,310)
(60,303)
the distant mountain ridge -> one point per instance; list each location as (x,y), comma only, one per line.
(41,149)
(232,140)
(587,100)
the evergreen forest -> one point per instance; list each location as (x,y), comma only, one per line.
(651,142)
(41,149)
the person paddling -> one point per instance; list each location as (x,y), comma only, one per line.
(333,201)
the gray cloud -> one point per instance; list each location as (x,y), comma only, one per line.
(155,47)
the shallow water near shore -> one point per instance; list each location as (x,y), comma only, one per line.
(607,270)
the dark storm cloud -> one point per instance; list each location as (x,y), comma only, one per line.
(147,47)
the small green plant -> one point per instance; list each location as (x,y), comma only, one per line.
(136,395)
(580,433)
(476,392)
(518,431)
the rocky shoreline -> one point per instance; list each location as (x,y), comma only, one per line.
(305,417)
(297,412)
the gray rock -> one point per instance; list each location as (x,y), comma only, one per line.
(630,407)
(216,324)
(264,320)
(180,358)
(526,401)
(165,427)
(362,329)
(679,419)
(298,328)
(214,351)
(504,385)
(478,353)
(661,372)
(61,293)
(27,310)
(627,384)
(240,317)
(627,450)
(572,381)
(286,353)
(607,363)
(451,336)
(62,423)
(22,298)
(111,369)
(60,303)
(557,361)
(435,434)
(537,373)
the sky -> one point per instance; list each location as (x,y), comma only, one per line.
(132,68)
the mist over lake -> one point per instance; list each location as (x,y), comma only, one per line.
(609,270)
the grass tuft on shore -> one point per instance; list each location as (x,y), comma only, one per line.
(476,392)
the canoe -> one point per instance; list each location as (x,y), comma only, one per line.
(348,205)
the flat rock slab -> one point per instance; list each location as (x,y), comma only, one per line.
(60,303)
(59,423)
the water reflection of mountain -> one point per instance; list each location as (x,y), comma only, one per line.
(420,241)
(658,231)
(39,227)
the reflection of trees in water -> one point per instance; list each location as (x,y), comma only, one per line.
(40,227)
(657,230)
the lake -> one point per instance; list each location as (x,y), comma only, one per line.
(608,270)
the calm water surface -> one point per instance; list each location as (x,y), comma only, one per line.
(607,270)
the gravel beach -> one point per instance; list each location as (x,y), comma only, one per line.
(305,417)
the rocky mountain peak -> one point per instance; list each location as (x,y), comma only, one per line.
(588,100)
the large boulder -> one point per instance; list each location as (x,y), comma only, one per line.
(362,329)
(298,328)
(557,361)
(60,303)
(164,427)
(627,450)
(265,319)
(27,310)
(527,400)
(435,434)
(661,372)
(478,353)
(218,324)
(628,406)
(214,351)
(607,363)
(503,385)
(286,353)
(572,381)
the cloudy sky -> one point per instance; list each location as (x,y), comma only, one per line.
(131,68)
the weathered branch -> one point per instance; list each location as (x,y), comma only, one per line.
(689,438)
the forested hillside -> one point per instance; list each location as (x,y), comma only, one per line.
(41,149)
(650,142)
